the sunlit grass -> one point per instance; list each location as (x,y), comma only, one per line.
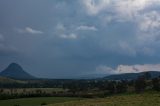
(145,99)
(37,101)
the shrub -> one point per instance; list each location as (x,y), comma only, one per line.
(156,84)
(44,103)
(140,84)
(16,105)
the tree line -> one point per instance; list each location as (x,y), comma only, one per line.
(83,88)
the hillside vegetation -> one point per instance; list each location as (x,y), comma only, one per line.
(5,80)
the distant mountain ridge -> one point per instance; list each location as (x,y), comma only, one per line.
(15,71)
(131,76)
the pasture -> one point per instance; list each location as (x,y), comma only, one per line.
(151,98)
(37,101)
(145,99)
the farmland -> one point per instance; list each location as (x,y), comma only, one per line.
(38,101)
(150,98)
(31,90)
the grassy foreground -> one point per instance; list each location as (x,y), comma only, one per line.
(35,101)
(145,99)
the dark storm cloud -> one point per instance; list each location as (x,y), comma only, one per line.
(57,38)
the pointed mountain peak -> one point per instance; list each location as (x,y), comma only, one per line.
(14,70)
(14,66)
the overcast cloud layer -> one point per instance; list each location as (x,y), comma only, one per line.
(61,38)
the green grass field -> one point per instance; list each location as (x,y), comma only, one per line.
(145,99)
(36,101)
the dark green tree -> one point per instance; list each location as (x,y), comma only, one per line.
(147,75)
(111,87)
(140,84)
(121,87)
(156,84)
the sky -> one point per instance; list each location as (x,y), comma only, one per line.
(67,38)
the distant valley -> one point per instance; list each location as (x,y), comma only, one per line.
(15,71)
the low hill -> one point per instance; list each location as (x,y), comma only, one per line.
(15,71)
(5,80)
(131,76)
